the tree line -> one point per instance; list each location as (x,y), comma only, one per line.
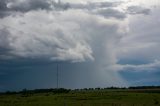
(63,90)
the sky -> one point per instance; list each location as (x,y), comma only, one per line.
(96,43)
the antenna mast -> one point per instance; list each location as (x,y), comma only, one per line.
(57,77)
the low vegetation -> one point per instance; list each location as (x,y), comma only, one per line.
(132,96)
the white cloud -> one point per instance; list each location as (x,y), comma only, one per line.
(55,35)
(150,67)
(46,34)
(142,40)
(140,43)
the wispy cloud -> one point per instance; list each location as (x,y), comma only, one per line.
(150,67)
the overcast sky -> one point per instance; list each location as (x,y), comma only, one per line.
(97,43)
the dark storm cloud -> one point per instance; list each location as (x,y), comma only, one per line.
(95,5)
(108,13)
(27,5)
(109,4)
(138,10)
(3,5)
(8,7)
(3,9)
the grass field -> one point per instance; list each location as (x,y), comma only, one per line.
(84,98)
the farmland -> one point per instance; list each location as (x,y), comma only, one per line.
(112,97)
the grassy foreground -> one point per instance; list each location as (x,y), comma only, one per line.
(84,98)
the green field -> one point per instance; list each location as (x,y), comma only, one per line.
(83,98)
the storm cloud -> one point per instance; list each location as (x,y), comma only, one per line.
(27,5)
(111,13)
(56,36)
(138,10)
(93,41)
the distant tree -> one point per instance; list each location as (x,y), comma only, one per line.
(98,88)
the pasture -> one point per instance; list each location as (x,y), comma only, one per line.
(84,98)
